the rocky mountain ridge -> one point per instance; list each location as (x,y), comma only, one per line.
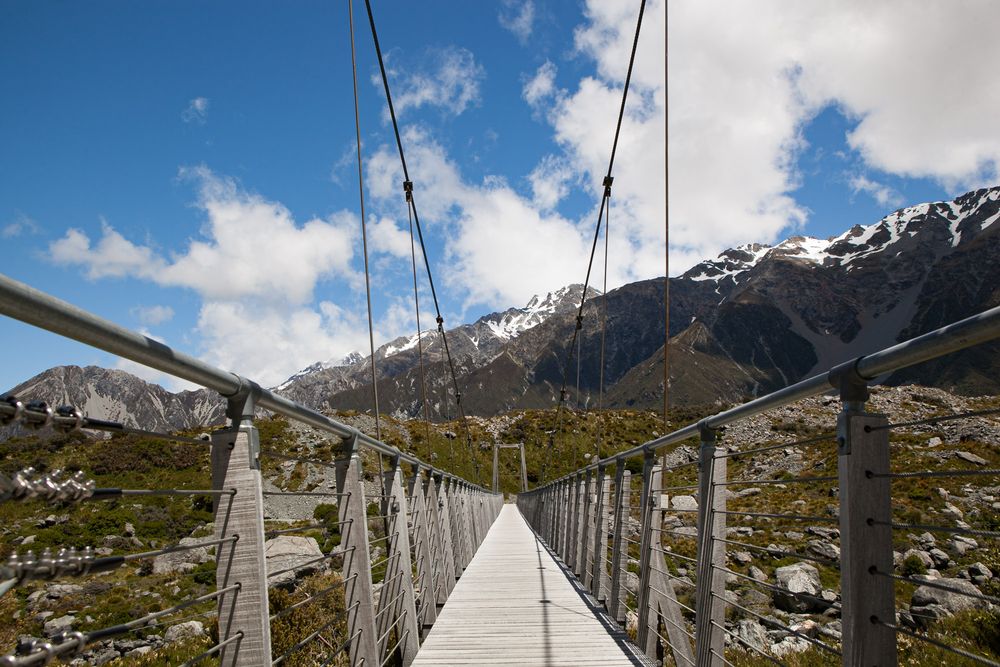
(115,395)
(749,321)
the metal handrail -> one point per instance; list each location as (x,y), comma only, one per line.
(559,509)
(965,333)
(31,306)
(245,620)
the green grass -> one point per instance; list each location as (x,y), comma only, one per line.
(558,447)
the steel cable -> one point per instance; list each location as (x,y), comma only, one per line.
(608,181)
(364,232)
(420,235)
(941,645)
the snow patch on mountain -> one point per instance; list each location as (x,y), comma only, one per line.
(729,264)
(352,359)
(854,244)
(403,344)
(516,321)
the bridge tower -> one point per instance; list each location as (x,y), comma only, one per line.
(496,465)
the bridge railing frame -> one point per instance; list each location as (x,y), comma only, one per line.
(557,510)
(449,516)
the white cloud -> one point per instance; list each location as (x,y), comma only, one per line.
(924,106)
(114,256)
(451,81)
(269,342)
(256,270)
(384,236)
(741,91)
(881,193)
(506,251)
(550,182)
(518,16)
(500,248)
(540,87)
(153,315)
(196,111)
(251,247)
(21,225)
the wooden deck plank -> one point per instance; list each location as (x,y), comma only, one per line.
(515,604)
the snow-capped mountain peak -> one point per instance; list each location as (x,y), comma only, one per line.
(514,321)
(941,220)
(729,264)
(352,359)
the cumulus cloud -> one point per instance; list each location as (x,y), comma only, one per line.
(550,182)
(450,79)
(386,237)
(541,86)
(21,225)
(739,103)
(256,270)
(881,193)
(271,342)
(518,16)
(153,315)
(113,256)
(251,248)
(196,111)
(742,90)
(492,232)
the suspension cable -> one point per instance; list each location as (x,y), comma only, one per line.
(666,232)
(364,244)
(604,335)
(408,184)
(364,232)
(608,181)
(420,343)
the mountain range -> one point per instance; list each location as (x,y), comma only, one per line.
(749,321)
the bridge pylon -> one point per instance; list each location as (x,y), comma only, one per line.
(496,465)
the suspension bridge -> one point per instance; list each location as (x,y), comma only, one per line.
(630,560)
(598,567)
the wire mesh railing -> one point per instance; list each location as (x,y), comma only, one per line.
(350,584)
(851,538)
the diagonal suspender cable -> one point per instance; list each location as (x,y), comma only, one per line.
(408,185)
(666,233)
(608,180)
(364,234)
(420,344)
(604,336)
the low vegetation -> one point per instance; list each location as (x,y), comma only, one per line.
(554,446)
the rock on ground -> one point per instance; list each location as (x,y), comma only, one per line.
(183,631)
(930,603)
(683,503)
(797,578)
(58,625)
(182,561)
(754,634)
(291,551)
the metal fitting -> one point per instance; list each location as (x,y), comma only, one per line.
(37,415)
(17,414)
(71,412)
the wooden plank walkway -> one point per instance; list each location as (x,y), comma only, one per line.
(515,605)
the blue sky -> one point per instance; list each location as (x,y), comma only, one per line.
(187,168)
